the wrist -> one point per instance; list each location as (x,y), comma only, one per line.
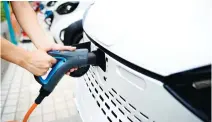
(46,47)
(24,59)
(43,42)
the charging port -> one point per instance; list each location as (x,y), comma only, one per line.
(100,60)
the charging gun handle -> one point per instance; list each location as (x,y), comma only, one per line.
(65,61)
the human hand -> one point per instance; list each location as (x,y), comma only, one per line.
(38,62)
(61,48)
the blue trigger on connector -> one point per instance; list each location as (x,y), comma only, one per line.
(60,62)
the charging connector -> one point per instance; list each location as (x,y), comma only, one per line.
(67,60)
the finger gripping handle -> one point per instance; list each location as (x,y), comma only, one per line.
(65,61)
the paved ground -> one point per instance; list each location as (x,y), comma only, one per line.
(19,90)
(4,66)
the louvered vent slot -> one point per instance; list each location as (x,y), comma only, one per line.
(112,104)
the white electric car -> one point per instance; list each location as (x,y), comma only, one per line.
(157,62)
(64,7)
(67,16)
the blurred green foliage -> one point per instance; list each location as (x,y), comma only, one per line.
(3,17)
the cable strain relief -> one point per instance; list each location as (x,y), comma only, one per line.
(41,96)
(39,99)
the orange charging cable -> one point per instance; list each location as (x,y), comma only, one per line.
(38,100)
(29,112)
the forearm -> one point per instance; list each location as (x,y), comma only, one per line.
(28,21)
(12,53)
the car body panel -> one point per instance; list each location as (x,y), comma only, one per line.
(163,36)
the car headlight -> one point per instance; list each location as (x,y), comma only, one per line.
(193,89)
(67,7)
(51,3)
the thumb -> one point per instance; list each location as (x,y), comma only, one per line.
(67,48)
(52,60)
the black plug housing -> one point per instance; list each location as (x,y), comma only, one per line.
(42,95)
(100,59)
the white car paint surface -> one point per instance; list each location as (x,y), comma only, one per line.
(162,36)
